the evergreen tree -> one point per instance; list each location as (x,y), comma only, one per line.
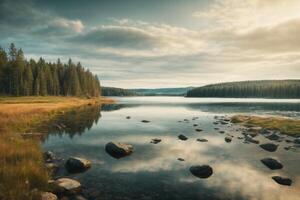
(3,69)
(19,77)
(28,81)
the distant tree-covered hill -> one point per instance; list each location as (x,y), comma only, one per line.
(19,77)
(162,91)
(112,91)
(248,89)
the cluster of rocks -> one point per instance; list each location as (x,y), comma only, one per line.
(64,188)
(250,132)
(71,188)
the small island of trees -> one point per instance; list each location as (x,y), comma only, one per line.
(19,77)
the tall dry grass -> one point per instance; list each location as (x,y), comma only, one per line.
(21,163)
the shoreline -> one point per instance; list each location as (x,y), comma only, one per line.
(23,168)
(285,126)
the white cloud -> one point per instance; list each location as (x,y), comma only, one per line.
(75,25)
(247,14)
(142,39)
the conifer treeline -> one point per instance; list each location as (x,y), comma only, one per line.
(19,77)
(248,89)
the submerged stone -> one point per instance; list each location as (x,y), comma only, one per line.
(272,163)
(273,137)
(297,140)
(201,171)
(118,150)
(155,140)
(250,139)
(269,147)
(66,185)
(228,139)
(48,196)
(282,181)
(202,140)
(76,164)
(182,137)
(49,156)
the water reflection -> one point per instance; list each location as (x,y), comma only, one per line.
(75,121)
(153,171)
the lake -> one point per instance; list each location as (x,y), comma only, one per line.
(152,171)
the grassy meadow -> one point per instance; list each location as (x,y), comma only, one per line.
(22,168)
(284,125)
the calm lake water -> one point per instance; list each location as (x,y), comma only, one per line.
(153,171)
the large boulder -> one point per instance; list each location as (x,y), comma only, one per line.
(65,186)
(272,163)
(282,181)
(76,164)
(118,150)
(201,171)
(269,147)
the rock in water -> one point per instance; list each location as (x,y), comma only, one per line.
(76,165)
(282,181)
(201,171)
(250,139)
(48,196)
(180,159)
(49,156)
(202,140)
(273,137)
(228,139)
(155,141)
(182,137)
(265,131)
(145,121)
(297,140)
(269,147)
(118,150)
(198,130)
(66,185)
(272,163)
(52,168)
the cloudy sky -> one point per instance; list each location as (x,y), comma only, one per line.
(160,43)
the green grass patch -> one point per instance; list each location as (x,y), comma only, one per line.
(284,125)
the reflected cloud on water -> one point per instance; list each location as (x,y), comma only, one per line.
(153,171)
